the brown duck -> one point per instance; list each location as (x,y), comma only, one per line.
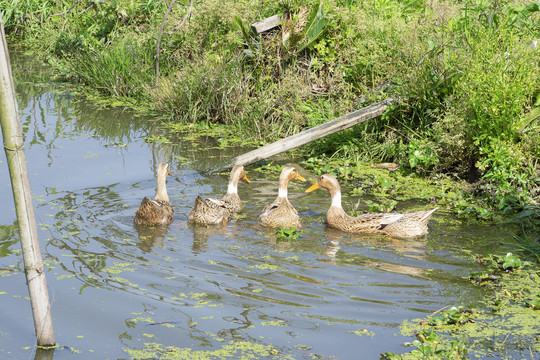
(219,211)
(157,211)
(281,213)
(411,224)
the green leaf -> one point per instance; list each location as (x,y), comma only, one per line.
(316,23)
(511,261)
(525,121)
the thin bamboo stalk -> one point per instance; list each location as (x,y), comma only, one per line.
(18,171)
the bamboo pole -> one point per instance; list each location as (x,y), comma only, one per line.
(13,146)
(306,136)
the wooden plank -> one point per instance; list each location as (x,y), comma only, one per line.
(18,171)
(266,24)
(306,136)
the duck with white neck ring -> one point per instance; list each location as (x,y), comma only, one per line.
(407,225)
(209,211)
(281,213)
(157,211)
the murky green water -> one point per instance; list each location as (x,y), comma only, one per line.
(115,288)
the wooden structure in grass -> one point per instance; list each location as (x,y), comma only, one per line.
(18,171)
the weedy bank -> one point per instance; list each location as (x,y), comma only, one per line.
(465,77)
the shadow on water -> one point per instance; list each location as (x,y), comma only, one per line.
(120,290)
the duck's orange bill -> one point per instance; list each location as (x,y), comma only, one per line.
(313,187)
(245,179)
(299,177)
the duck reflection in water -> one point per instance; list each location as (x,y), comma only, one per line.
(201,234)
(409,248)
(151,236)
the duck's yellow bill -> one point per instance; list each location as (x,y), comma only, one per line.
(313,187)
(299,177)
(245,179)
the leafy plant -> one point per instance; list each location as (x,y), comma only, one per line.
(430,345)
(316,24)
(288,233)
(506,262)
(533,303)
(455,315)
(421,155)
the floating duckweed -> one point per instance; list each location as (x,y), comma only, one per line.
(232,350)
(509,323)
(265,267)
(362,332)
(141,319)
(118,268)
(67,276)
(279,323)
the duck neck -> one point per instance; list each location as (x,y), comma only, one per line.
(232,188)
(161,190)
(282,191)
(336,198)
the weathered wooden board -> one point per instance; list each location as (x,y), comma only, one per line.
(266,24)
(304,137)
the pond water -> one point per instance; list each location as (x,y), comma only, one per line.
(120,292)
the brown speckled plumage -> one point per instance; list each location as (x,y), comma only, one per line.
(412,224)
(157,211)
(281,213)
(208,211)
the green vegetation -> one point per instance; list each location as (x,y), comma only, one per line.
(505,327)
(465,75)
(288,233)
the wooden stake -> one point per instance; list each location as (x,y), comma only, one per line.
(13,146)
(306,136)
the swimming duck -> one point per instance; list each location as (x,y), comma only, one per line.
(412,224)
(218,211)
(157,211)
(281,213)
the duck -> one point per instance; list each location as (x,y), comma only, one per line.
(157,211)
(401,225)
(207,211)
(281,213)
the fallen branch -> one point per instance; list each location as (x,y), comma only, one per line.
(159,38)
(170,33)
(184,19)
(304,137)
(68,10)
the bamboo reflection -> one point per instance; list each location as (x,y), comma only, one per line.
(44,353)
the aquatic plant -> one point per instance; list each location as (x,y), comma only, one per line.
(288,233)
